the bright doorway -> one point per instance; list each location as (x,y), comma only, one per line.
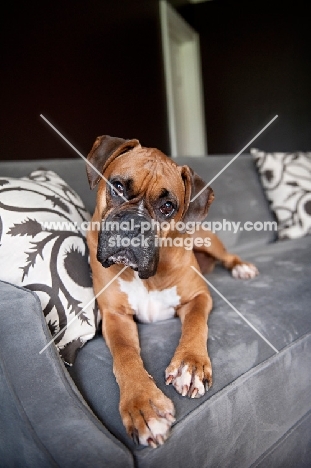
(184,90)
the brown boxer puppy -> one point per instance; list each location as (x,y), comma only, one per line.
(140,190)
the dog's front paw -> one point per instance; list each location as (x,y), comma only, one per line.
(147,416)
(244,271)
(191,376)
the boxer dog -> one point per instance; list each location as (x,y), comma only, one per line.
(141,190)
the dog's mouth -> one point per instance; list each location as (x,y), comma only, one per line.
(135,248)
(144,262)
(123,257)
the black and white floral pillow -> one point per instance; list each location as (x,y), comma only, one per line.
(286,179)
(43,248)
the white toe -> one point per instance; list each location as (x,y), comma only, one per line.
(182,382)
(198,384)
(244,271)
(156,433)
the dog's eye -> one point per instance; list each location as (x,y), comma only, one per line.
(119,188)
(167,208)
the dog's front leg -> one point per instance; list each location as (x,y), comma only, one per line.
(146,412)
(190,370)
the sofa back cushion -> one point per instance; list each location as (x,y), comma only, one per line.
(239,198)
(71,170)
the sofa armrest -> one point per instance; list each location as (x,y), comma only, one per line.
(44,420)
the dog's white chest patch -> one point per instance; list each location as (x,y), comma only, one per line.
(150,306)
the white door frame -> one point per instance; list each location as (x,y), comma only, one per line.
(187,132)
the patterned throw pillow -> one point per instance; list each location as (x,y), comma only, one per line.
(286,178)
(43,248)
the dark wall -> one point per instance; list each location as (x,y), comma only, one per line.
(92,67)
(256,59)
(95,67)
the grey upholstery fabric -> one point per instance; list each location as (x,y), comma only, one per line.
(235,426)
(43,419)
(278,301)
(258,412)
(283,454)
(255,391)
(238,197)
(19,444)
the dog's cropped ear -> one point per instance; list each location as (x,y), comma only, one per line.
(197,209)
(104,151)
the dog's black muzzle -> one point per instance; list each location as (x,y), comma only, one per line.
(129,237)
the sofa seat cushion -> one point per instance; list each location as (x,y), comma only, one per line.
(278,301)
(257,393)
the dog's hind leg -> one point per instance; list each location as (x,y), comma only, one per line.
(213,251)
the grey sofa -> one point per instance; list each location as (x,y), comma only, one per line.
(258,412)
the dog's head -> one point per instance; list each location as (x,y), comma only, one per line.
(140,188)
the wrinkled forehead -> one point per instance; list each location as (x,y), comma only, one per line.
(149,170)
